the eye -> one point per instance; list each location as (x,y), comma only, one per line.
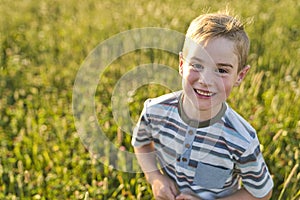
(222,71)
(197,66)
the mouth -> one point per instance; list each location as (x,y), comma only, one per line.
(204,93)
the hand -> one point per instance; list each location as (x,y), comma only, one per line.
(163,188)
(184,196)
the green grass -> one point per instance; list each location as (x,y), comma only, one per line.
(43,44)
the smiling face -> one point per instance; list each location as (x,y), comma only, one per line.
(209,71)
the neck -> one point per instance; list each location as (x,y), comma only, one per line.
(197,114)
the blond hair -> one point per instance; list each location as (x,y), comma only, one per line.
(209,26)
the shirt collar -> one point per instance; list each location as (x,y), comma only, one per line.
(199,124)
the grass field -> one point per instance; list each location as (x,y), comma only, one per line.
(44,43)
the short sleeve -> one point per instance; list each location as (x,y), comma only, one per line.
(141,133)
(254,172)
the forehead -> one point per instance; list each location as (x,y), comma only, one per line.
(213,51)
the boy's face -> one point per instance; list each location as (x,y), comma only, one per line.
(209,71)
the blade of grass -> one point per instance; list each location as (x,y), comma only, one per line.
(288,181)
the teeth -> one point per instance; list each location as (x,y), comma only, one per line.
(204,93)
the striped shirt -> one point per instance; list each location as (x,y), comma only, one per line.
(205,158)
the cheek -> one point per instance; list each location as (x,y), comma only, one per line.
(188,80)
(190,77)
(226,86)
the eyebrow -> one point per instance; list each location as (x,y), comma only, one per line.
(224,64)
(196,59)
(217,64)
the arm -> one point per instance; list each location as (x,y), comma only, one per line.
(253,169)
(147,160)
(245,195)
(241,194)
(162,186)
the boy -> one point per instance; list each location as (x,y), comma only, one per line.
(204,148)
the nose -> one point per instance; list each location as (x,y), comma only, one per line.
(206,77)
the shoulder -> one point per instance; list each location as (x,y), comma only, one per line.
(164,100)
(161,107)
(239,125)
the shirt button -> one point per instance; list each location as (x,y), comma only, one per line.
(187,145)
(191,132)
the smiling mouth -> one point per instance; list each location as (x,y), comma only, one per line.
(203,93)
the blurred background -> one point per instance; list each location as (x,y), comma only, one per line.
(44,43)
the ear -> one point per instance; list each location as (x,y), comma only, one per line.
(180,63)
(242,75)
